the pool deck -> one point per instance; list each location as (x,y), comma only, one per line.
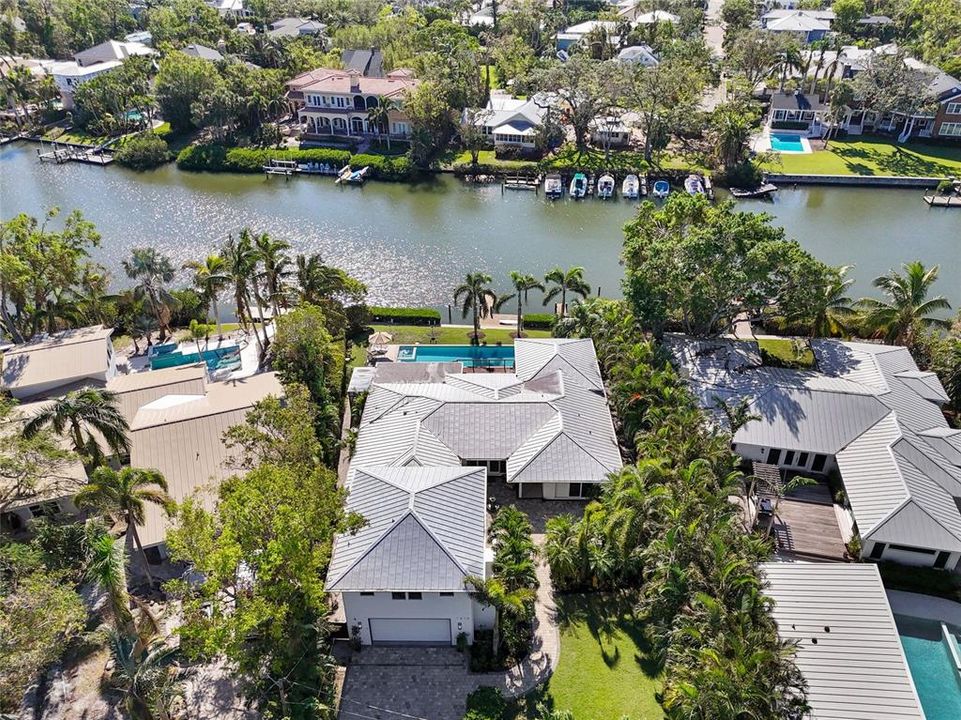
(926,607)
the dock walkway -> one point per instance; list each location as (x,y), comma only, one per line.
(90,156)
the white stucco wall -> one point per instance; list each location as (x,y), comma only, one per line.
(459,609)
(757,453)
(905,557)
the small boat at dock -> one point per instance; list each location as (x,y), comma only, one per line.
(578,187)
(758,192)
(631,187)
(662,188)
(605,186)
(355,177)
(693,185)
(553,186)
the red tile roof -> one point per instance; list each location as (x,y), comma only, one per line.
(339,81)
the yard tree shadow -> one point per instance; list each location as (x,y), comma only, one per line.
(884,157)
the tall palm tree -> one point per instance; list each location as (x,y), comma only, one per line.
(511,605)
(241,258)
(474,295)
(379,117)
(107,568)
(80,414)
(834,310)
(144,673)
(126,493)
(907,307)
(317,281)
(210,277)
(522,285)
(271,253)
(153,272)
(563,282)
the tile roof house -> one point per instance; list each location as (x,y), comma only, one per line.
(869,414)
(426,450)
(48,363)
(328,101)
(180,433)
(848,647)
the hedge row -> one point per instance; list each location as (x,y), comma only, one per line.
(217,158)
(539,321)
(405,316)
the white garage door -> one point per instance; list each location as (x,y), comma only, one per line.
(410,630)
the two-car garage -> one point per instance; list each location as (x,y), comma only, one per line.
(407,631)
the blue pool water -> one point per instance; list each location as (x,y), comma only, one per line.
(932,668)
(786,143)
(167,356)
(470,355)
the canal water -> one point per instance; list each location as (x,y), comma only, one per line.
(412,244)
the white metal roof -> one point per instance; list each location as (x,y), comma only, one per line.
(848,646)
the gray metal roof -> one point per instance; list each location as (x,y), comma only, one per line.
(856,669)
(575,358)
(870,407)
(425,530)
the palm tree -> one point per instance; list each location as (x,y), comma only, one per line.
(563,282)
(317,281)
(474,296)
(210,277)
(522,284)
(126,493)
(271,253)
(834,310)
(80,414)
(153,272)
(241,259)
(144,673)
(512,605)
(379,118)
(107,568)
(907,308)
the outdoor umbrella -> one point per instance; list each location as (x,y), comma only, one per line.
(380,338)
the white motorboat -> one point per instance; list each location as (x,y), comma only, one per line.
(578,187)
(553,186)
(694,185)
(662,188)
(631,187)
(605,186)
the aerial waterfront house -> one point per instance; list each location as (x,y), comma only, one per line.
(848,648)
(869,415)
(433,441)
(511,122)
(338,102)
(181,434)
(90,63)
(52,364)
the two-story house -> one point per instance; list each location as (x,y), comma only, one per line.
(339,102)
(90,63)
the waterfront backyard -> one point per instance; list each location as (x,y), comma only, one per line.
(872,156)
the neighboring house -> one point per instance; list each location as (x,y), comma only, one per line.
(203,52)
(338,102)
(181,435)
(651,18)
(794,110)
(402,576)
(641,55)
(942,89)
(612,130)
(37,68)
(869,414)
(432,440)
(230,8)
(575,33)
(807,25)
(848,647)
(512,122)
(291,27)
(144,37)
(51,364)
(368,62)
(90,63)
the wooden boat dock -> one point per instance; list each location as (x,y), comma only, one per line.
(72,153)
(945,201)
(521,182)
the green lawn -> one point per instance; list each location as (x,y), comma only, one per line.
(604,671)
(409,334)
(783,350)
(77,137)
(873,156)
(488,157)
(495,76)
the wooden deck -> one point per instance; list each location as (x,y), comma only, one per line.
(806,527)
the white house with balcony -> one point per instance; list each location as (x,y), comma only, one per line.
(89,63)
(513,122)
(328,102)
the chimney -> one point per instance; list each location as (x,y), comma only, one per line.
(354,81)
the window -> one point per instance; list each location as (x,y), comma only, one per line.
(789,457)
(952,129)
(919,551)
(953,108)
(818,465)
(877,551)
(575,489)
(45,509)
(413,596)
(802,460)
(942,560)
(773,456)
(367,594)
(398,596)
(445,594)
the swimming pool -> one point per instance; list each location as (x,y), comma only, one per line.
(470,355)
(784,142)
(171,355)
(932,666)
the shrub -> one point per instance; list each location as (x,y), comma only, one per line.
(539,321)
(202,157)
(190,307)
(485,703)
(144,151)
(405,315)
(383,167)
